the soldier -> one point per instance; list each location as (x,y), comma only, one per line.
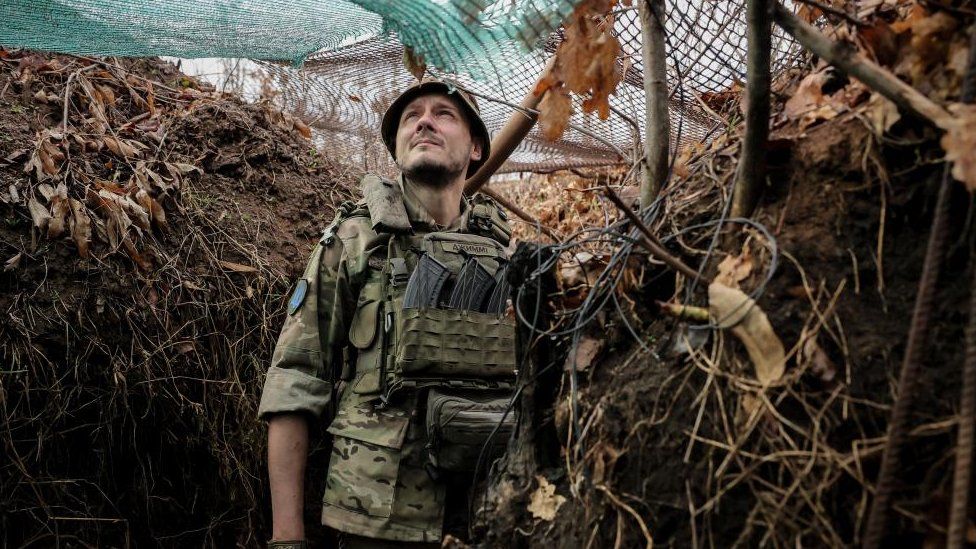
(417,363)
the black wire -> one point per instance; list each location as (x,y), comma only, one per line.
(602,290)
(518,391)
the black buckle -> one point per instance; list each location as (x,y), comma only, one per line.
(398,271)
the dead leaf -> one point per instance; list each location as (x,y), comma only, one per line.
(303,129)
(46,191)
(39,214)
(13,262)
(59,215)
(117,222)
(820,363)
(734,269)
(237,267)
(80,227)
(959,144)
(178,170)
(113,145)
(148,125)
(414,63)
(582,269)
(41,96)
(162,184)
(109,186)
(144,264)
(735,310)
(583,354)
(149,203)
(809,104)
(51,157)
(882,113)
(47,157)
(928,48)
(880,41)
(544,503)
(193,286)
(186,168)
(125,148)
(135,211)
(586,64)
(106,94)
(13,157)
(554,112)
(14,197)
(808,13)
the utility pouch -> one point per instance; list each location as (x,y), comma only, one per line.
(454,343)
(459,424)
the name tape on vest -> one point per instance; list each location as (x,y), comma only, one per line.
(473,249)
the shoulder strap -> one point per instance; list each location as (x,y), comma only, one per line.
(384,200)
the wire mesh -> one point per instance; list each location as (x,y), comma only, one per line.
(353,60)
(343,92)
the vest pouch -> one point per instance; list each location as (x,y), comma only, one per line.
(364,325)
(364,335)
(452,343)
(459,424)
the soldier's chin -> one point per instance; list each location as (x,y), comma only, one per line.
(430,172)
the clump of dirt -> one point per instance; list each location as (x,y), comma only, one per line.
(151,230)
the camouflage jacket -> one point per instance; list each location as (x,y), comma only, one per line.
(377,485)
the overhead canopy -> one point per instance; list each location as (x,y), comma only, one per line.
(339,63)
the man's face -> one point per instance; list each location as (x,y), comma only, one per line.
(433,141)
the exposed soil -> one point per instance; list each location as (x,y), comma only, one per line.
(131,377)
(801,475)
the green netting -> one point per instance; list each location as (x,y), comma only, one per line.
(351,53)
(459,36)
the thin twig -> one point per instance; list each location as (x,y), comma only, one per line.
(650,243)
(640,521)
(846,57)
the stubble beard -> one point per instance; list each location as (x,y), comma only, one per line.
(431,173)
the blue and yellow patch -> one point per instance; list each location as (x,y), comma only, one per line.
(297,296)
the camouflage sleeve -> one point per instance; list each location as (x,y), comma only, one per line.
(309,349)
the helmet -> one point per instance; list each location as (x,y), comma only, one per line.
(391,119)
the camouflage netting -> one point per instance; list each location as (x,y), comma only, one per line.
(353,60)
(344,92)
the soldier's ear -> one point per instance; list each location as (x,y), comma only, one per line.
(476,149)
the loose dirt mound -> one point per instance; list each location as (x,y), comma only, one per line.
(148,244)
